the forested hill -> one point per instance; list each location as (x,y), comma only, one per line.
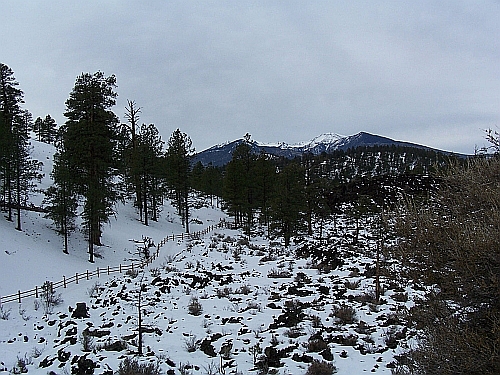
(330,143)
(361,162)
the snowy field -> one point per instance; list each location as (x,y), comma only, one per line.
(214,304)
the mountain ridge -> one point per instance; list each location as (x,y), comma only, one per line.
(220,155)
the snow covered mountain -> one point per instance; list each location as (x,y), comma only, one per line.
(220,155)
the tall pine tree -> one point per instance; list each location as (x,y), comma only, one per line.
(178,159)
(288,203)
(61,199)
(149,173)
(17,170)
(132,167)
(90,138)
(239,185)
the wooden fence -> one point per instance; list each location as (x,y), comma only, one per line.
(87,275)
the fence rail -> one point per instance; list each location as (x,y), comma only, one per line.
(87,275)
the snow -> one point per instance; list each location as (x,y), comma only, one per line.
(322,139)
(228,275)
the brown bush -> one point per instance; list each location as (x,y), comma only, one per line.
(451,243)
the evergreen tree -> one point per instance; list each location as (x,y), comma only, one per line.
(25,171)
(264,180)
(212,182)
(178,163)
(37,128)
(17,169)
(197,173)
(149,154)
(61,199)
(132,168)
(288,203)
(11,98)
(90,138)
(47,130)
(239,185)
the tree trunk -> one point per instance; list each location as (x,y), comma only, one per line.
(139,348)
(186,209)
(91,245)
(145,201)
(18,193)
(65,232)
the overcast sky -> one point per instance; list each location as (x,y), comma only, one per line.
(421,71)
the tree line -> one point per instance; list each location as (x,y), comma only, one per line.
(98,162)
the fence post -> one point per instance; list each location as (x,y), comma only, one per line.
(108,269)
(64,281)
(87,274)
(36,291)
(98,272)
(19,295)
(120,268)
(77,277)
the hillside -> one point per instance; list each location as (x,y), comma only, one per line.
(274,307)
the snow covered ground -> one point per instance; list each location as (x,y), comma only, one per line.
(256,298)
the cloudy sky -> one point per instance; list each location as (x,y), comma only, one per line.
(420,71)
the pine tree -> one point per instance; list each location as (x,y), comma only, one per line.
(264,178)
(61,199)
(210,182)
(17,170)
(48,130)
(239,185)
(178,160)
(11,98)
(25,170)
(37,128)
(90,138)
(132,168)
(149,173)
(288,202)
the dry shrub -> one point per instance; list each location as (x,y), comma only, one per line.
(451,243)
(321,368)
(345,314)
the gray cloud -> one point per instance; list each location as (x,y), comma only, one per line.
(425,72)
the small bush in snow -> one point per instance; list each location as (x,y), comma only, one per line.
(275,274)
(244,289)
(4,313)
(93,291)
(155,272)
(345,314)
(190,343)
(87,342)
(49,297)
(321,368)
(353,285)
(133,273)
(133,367)
(195,308)
(22,365)
(224,292)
